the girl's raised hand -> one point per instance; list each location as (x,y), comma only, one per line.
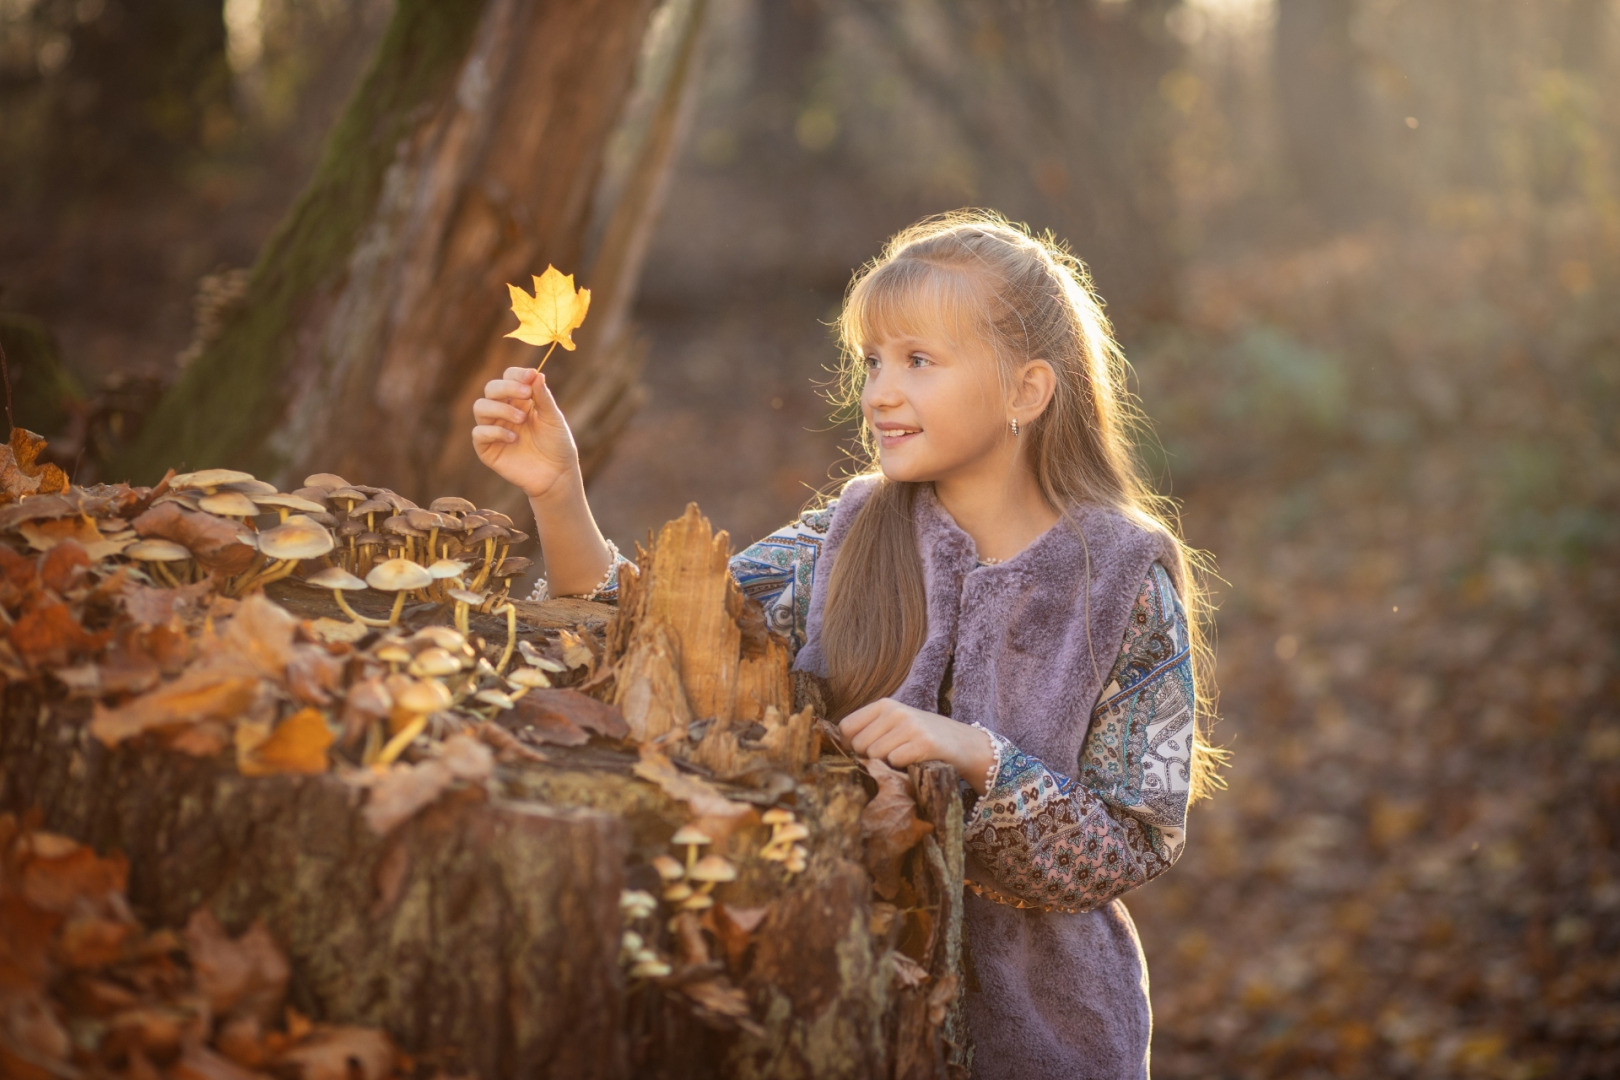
(521,433)
(902,735)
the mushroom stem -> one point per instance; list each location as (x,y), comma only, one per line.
(374,743)
(396,746)
(163,572)
(511,638)
(399,605)
(277,572)
(356,616)
(433,536)
(484,571)
(461,617)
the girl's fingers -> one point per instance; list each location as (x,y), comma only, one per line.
(487,411)
(507,389)
(521,374)
(853,724)
(485,434)
(889,744)
(874,733)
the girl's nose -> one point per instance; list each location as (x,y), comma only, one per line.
(879,392)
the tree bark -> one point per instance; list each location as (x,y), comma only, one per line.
(468,159)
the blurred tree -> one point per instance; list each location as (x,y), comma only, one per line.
(118,93)
(468,158)
(1064,103)
(1319,105)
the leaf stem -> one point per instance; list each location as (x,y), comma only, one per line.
(546,357)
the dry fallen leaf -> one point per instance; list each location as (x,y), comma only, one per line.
(244,976)
(890,827)
(195,696)
(404,789)
(551,315)
(297,745)
(339,1053)
(213,541)
(565,717)
(715,814)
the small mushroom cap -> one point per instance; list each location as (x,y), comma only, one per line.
(393,652)
(450,504)
(423,697)
(495,517)
(697,902)
(444,637)
(229,504)
(690,834)
(432,519)
(638,904)
(790,832)
(344,493)
(447,568)
(208,479)
(180,498)
(157,551)
(368,506)
(251,488)
(313,494)
(713,868)
(677,892)
(465,596)
(777,816)
(669,868)
(397,574)
(516,536)
(473,521)
(493,697)
(400,525)
(487,532)
(335,577)
(326,480)
(533,678)
(650,969)
(296,538)
(289,502)
(773,854)
(435,662)
(370,539)
(513,567)
(351,527)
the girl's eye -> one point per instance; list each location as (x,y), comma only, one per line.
(918,359)
(871,361)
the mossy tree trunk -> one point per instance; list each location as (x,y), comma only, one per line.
(468,158)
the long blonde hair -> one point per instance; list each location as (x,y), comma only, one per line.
(1025,297)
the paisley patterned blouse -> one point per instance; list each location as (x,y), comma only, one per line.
(1068,840)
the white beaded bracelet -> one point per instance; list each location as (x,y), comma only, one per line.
(542,590)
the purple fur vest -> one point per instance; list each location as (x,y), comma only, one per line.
(1057,995)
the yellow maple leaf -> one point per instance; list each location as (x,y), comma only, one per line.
(552,314)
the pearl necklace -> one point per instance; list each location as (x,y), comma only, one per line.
(992,562)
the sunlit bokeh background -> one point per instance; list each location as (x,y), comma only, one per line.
(1365,258)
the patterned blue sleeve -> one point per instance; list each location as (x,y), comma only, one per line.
(778,571)
(1074,842)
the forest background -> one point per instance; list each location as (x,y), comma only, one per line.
(1363,254)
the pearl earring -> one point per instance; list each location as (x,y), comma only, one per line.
(1014,425)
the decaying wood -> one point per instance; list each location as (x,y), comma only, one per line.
(684,621)
(485,931)
(453,931)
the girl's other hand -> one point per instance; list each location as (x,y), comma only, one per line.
(521,433)
(902,735)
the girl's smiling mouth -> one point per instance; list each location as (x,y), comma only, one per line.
(894,434)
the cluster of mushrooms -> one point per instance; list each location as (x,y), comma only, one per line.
(366,537)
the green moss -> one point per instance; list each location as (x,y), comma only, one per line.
(227,403)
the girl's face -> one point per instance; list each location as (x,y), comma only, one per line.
(936,406)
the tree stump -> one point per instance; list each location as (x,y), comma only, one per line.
(487,932)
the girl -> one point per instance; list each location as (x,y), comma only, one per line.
(999,593)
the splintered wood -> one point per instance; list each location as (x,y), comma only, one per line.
(696,671)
